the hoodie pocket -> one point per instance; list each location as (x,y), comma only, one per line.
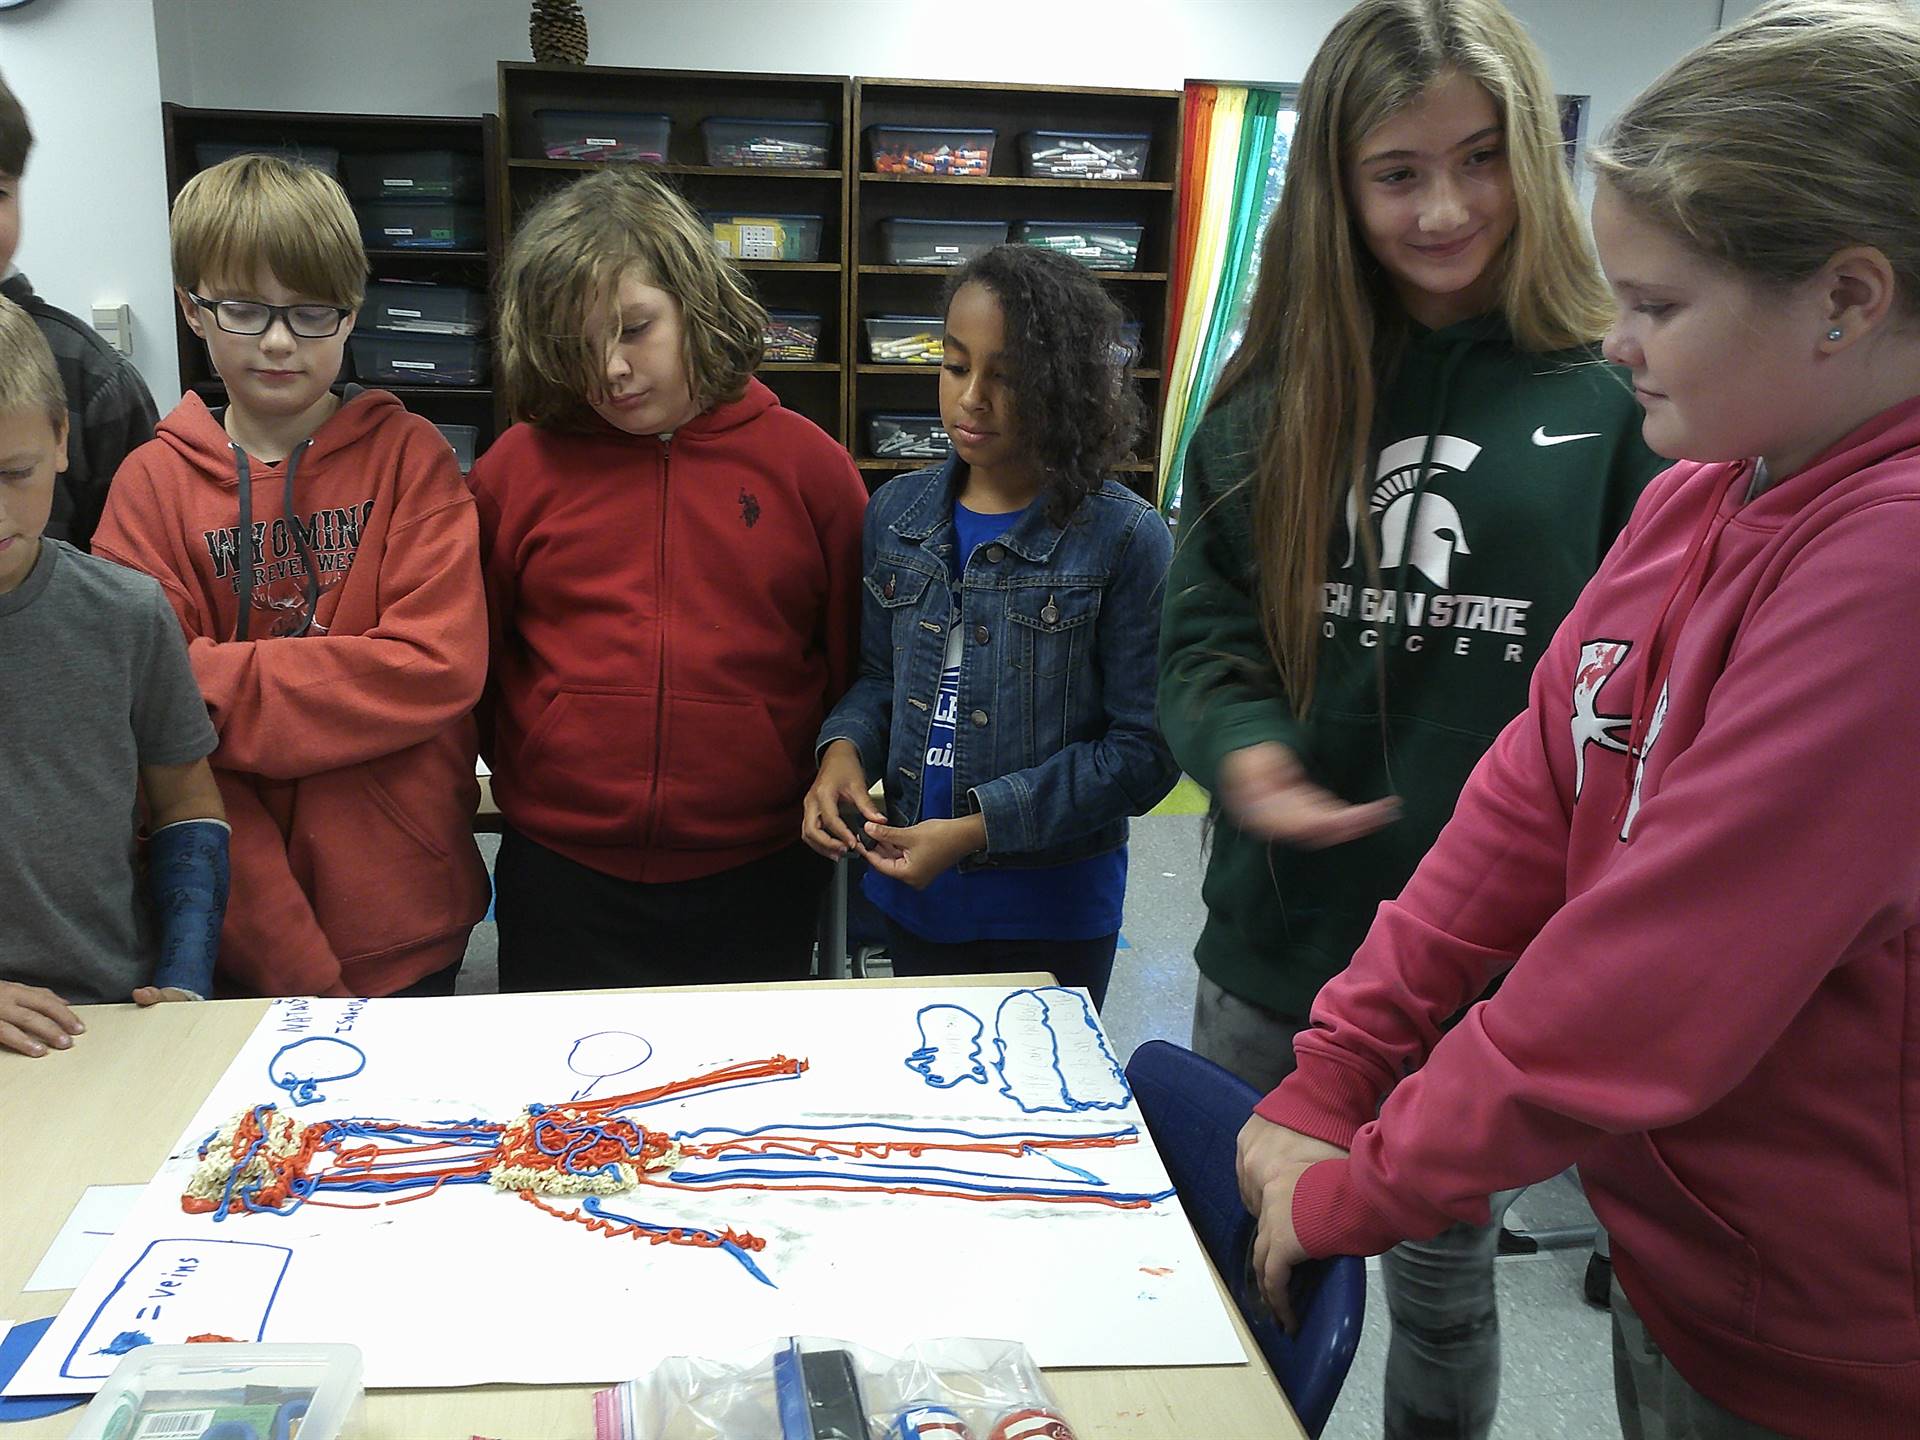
(726,778)
(589,761)
(1710,1267)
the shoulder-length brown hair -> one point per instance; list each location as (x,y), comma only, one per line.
(1324,324)
(559,287)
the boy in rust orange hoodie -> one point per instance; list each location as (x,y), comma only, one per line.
(323,557)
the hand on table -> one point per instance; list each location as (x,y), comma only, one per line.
(1265,791)
(161,994)
(919,854)
(1270,1159)
(836,802)
(33,1020)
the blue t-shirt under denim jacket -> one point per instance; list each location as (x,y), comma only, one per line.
(1050,730)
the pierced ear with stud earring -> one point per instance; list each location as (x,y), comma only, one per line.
(1835,333)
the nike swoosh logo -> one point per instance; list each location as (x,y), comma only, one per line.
(1540,437)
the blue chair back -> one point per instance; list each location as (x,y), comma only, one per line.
(1195,1110)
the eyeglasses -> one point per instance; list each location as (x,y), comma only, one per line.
(254,317)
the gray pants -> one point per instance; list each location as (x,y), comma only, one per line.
(1655,1403)
(1443,1358)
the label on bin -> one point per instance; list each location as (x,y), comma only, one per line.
(401,184)
(398,230)
(599,140)
(946,249)
(413,364)
(410,314)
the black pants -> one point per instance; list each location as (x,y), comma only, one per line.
(565,926)
(1073,962)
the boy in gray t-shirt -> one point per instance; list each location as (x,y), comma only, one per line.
(98,708)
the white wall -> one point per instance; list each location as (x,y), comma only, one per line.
(94,202)
(92,73)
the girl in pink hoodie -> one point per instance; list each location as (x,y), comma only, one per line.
(1696,856)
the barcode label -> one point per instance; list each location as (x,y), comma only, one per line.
(175,1425)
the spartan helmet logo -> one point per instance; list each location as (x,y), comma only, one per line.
(1427,536)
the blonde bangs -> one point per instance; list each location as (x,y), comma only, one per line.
(29,380)
(559,306)
(258,215)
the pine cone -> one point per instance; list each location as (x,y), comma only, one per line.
(557,31)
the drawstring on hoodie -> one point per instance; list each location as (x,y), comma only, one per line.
(1662,639)
(243,474)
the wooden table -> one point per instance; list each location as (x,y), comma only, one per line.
(107,1111)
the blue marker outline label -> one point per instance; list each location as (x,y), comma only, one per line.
(125,1338)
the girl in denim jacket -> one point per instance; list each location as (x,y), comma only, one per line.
(1007,651)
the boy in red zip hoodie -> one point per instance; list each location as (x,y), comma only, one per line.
(322,555)
(672,565)
(1697,854)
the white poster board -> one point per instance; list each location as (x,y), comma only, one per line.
(878,1166)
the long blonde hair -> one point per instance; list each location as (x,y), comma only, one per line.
(1324,324)
(1782,140)
(563,270)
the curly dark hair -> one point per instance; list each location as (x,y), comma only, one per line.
(1065,361)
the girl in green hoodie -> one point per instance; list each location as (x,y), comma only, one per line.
(1407,473)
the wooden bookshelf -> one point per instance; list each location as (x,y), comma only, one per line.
(187,129)
(816,389)
(1004,193)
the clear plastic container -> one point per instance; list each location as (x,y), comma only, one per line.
(759,144)
(760,235)
(930,150)
(939,242)
(904,339)
(1084,155)
(384,358)
(1097,244)
(413,174)
(906,435)
(793,336)
(268,1390)
(419,309)
(421,225)
(602,135)
(465,440)
(209,153)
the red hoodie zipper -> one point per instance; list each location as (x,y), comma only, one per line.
(660,650)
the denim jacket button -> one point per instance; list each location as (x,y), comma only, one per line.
(995,554)
(981,634)
(1050,613)
(979,717)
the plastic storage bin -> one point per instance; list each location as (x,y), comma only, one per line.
(602,135)
(389,359)
(906,435)
(465,439)
(939,242)
(753,144)
(413,174)
(904,339)
(930,150)
(1097,244)
(1132,336)
(209,153)
(793,336)
(421,225)
(418,309)
(1082,155)
(761,235)
(269,1390)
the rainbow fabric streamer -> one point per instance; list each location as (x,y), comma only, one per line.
(1233,158)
